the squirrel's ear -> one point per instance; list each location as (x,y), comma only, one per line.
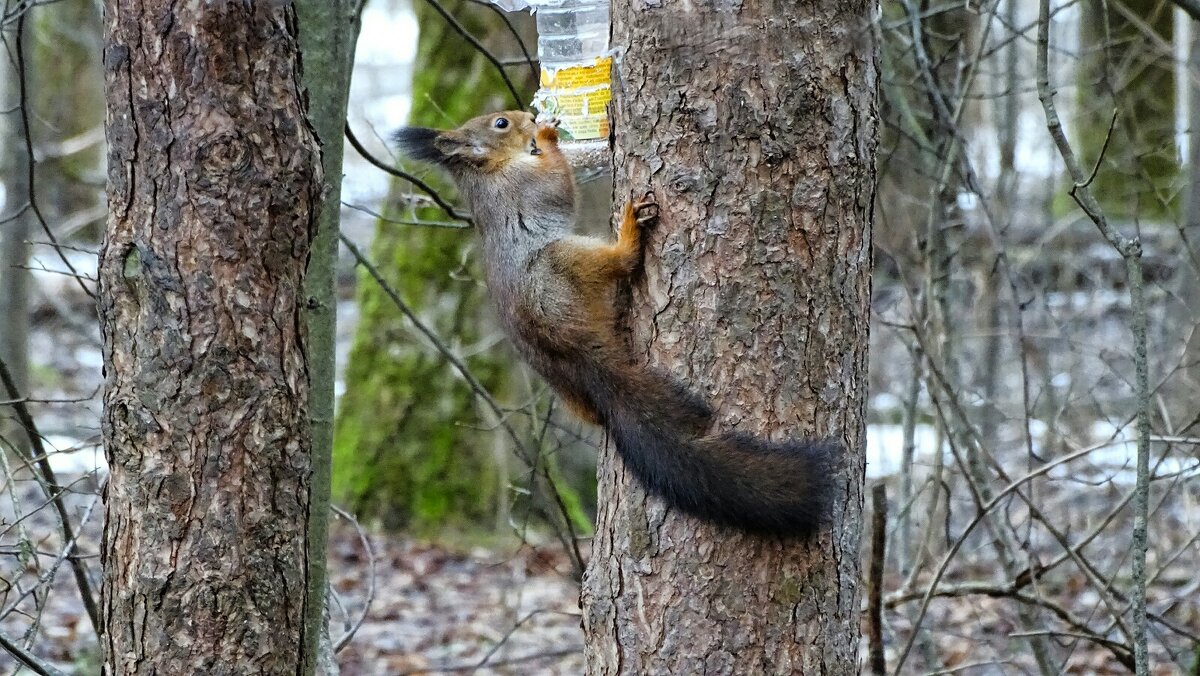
(420,143)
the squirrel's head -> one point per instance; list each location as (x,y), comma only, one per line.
(501,162)
(483,145)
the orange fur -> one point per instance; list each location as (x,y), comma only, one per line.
(547,134)
(598,265)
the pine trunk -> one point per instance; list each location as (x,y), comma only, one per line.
(755,126)
(214,188)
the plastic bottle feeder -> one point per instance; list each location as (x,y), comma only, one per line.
(576,71)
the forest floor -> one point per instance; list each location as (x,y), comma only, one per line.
(410,607)
(421,608)
(437,610)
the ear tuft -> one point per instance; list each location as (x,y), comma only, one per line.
(419,143)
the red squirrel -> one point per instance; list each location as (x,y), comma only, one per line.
(556,296)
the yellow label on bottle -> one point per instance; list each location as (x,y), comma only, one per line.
(578,96)
(575,77)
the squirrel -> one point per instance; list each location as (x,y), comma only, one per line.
(556,294)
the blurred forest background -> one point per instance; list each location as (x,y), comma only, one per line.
(1005,350)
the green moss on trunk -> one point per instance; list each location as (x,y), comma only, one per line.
(411,446)
(1139,175)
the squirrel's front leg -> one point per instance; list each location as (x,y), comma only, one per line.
(595,264)
(627,251)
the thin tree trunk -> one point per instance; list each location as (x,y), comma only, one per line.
(328,31)
(214,185)
(15,280)
(1190,273)
(757,131)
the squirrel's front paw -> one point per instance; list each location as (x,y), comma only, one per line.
(548,120)
(645,210)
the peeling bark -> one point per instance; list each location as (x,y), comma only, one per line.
(755,126)
(214,187)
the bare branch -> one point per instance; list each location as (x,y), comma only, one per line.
(22,85)
(563,525)
(27,658)
(529,60)
(424,187)
(53,493)
(371,564)
(1131,251)
(483,661)
(487,54)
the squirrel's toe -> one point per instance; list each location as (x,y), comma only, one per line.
(646,210)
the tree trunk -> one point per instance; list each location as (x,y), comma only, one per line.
(16,229)
(757,131)
(214,185)
(1140,175)
(328,31)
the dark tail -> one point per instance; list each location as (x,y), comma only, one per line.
(662,432)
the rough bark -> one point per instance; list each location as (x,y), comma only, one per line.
(214,188)
(755,126)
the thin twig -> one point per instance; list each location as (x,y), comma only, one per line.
(27,658)
(533,66)
(53,493)
(975,521)
(396,221)
(1131,251)
(569,538)
(475,666)
(483,661)
(1121,652)
(22,85)
(371,565)
(422,185)
(63,555)
(487,54)
(1103,586)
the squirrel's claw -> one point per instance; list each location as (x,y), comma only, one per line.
(646,210)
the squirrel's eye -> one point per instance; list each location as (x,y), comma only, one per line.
(500,123)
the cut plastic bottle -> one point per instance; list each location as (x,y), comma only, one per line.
(576,71)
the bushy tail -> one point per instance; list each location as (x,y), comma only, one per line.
(662,432)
